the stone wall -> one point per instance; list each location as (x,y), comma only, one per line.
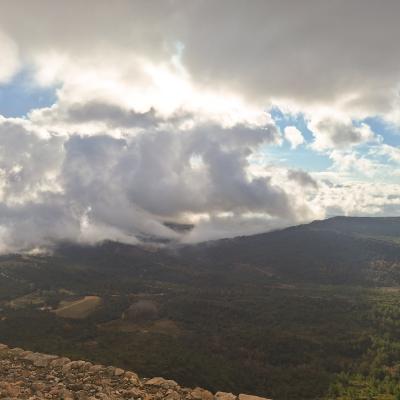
(28,375)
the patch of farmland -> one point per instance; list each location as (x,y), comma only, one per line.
(78,309)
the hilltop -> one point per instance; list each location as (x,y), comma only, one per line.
(339,250)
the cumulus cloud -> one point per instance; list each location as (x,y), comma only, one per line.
(352,162)
(303,178)
(392,152)
(293,136)
(111,115)
(339,133)
(28,161)
(10,64)
(95,187)
(357,198)
(91,188)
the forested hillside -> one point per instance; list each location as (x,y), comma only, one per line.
(308,312)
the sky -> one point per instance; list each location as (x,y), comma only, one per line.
(238,117)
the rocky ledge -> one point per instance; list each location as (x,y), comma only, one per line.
(28,375)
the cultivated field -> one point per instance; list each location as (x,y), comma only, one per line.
(78,309)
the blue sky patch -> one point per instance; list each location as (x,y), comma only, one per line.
(283,120)
(302,157)
(388,131)
(22,95)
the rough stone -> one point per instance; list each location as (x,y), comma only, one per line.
(201,394)
(25,375)
(224,396)
(250,397)
(164,383)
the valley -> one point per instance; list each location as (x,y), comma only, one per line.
(310,312)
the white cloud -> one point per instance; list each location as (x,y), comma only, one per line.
(391,152)
(339,196)
(227,226)
(9,64)
(293,136)
(89,188)
(338,132)
(348,161)
(99,186)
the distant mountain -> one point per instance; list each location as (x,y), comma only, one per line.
(336,250)
(341,250)
(373,227)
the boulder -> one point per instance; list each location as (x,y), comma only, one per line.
(40,360)
(250,397)
(161,382)
(201,394)
(224,396)
(119,372)
(59,362)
